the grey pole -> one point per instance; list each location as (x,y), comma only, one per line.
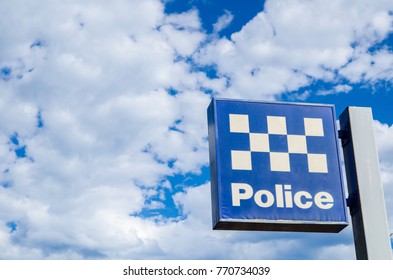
(366,199)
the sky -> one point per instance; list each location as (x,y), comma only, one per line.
(103,124)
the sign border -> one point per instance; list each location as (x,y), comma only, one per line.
(220,223)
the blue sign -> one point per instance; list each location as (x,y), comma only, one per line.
(275,166)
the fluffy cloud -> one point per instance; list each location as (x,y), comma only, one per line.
(87,95)
(101,105)
(291,44)
(223,22)
(383,135)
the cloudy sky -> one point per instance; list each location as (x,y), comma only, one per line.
(103,128)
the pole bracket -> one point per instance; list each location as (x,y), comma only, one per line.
(353,203)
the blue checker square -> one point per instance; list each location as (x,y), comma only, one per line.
(275,166)
(278,143)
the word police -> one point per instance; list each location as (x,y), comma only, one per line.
(283,197)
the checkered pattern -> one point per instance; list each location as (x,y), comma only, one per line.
(279,160)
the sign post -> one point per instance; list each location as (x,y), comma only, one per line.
(366,199)
(276,167)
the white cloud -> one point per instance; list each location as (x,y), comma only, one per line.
(383,136)
(341,251)
(290,44)
(183,32)
(223,22)
(97,75)
(100,78)
(370,67)
(336,90)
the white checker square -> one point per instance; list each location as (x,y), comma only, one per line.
(313,127)
(297,144)
(276,125)
(317,163)
(259,142)
(241,160)
(238,123)
(279,162)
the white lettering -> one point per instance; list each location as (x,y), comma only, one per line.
(283,197)
(241,192)
(298,199)
(288,196)
(324,200)
(269,198)
(279,196)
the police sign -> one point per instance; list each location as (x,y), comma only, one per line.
(275,166)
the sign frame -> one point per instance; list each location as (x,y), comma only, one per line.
(223,221)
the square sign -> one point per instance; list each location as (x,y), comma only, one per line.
(275,167)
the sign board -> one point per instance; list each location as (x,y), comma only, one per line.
(275,167)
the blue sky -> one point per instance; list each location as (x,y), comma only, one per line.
(103,129)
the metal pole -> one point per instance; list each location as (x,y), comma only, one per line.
(366,200)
